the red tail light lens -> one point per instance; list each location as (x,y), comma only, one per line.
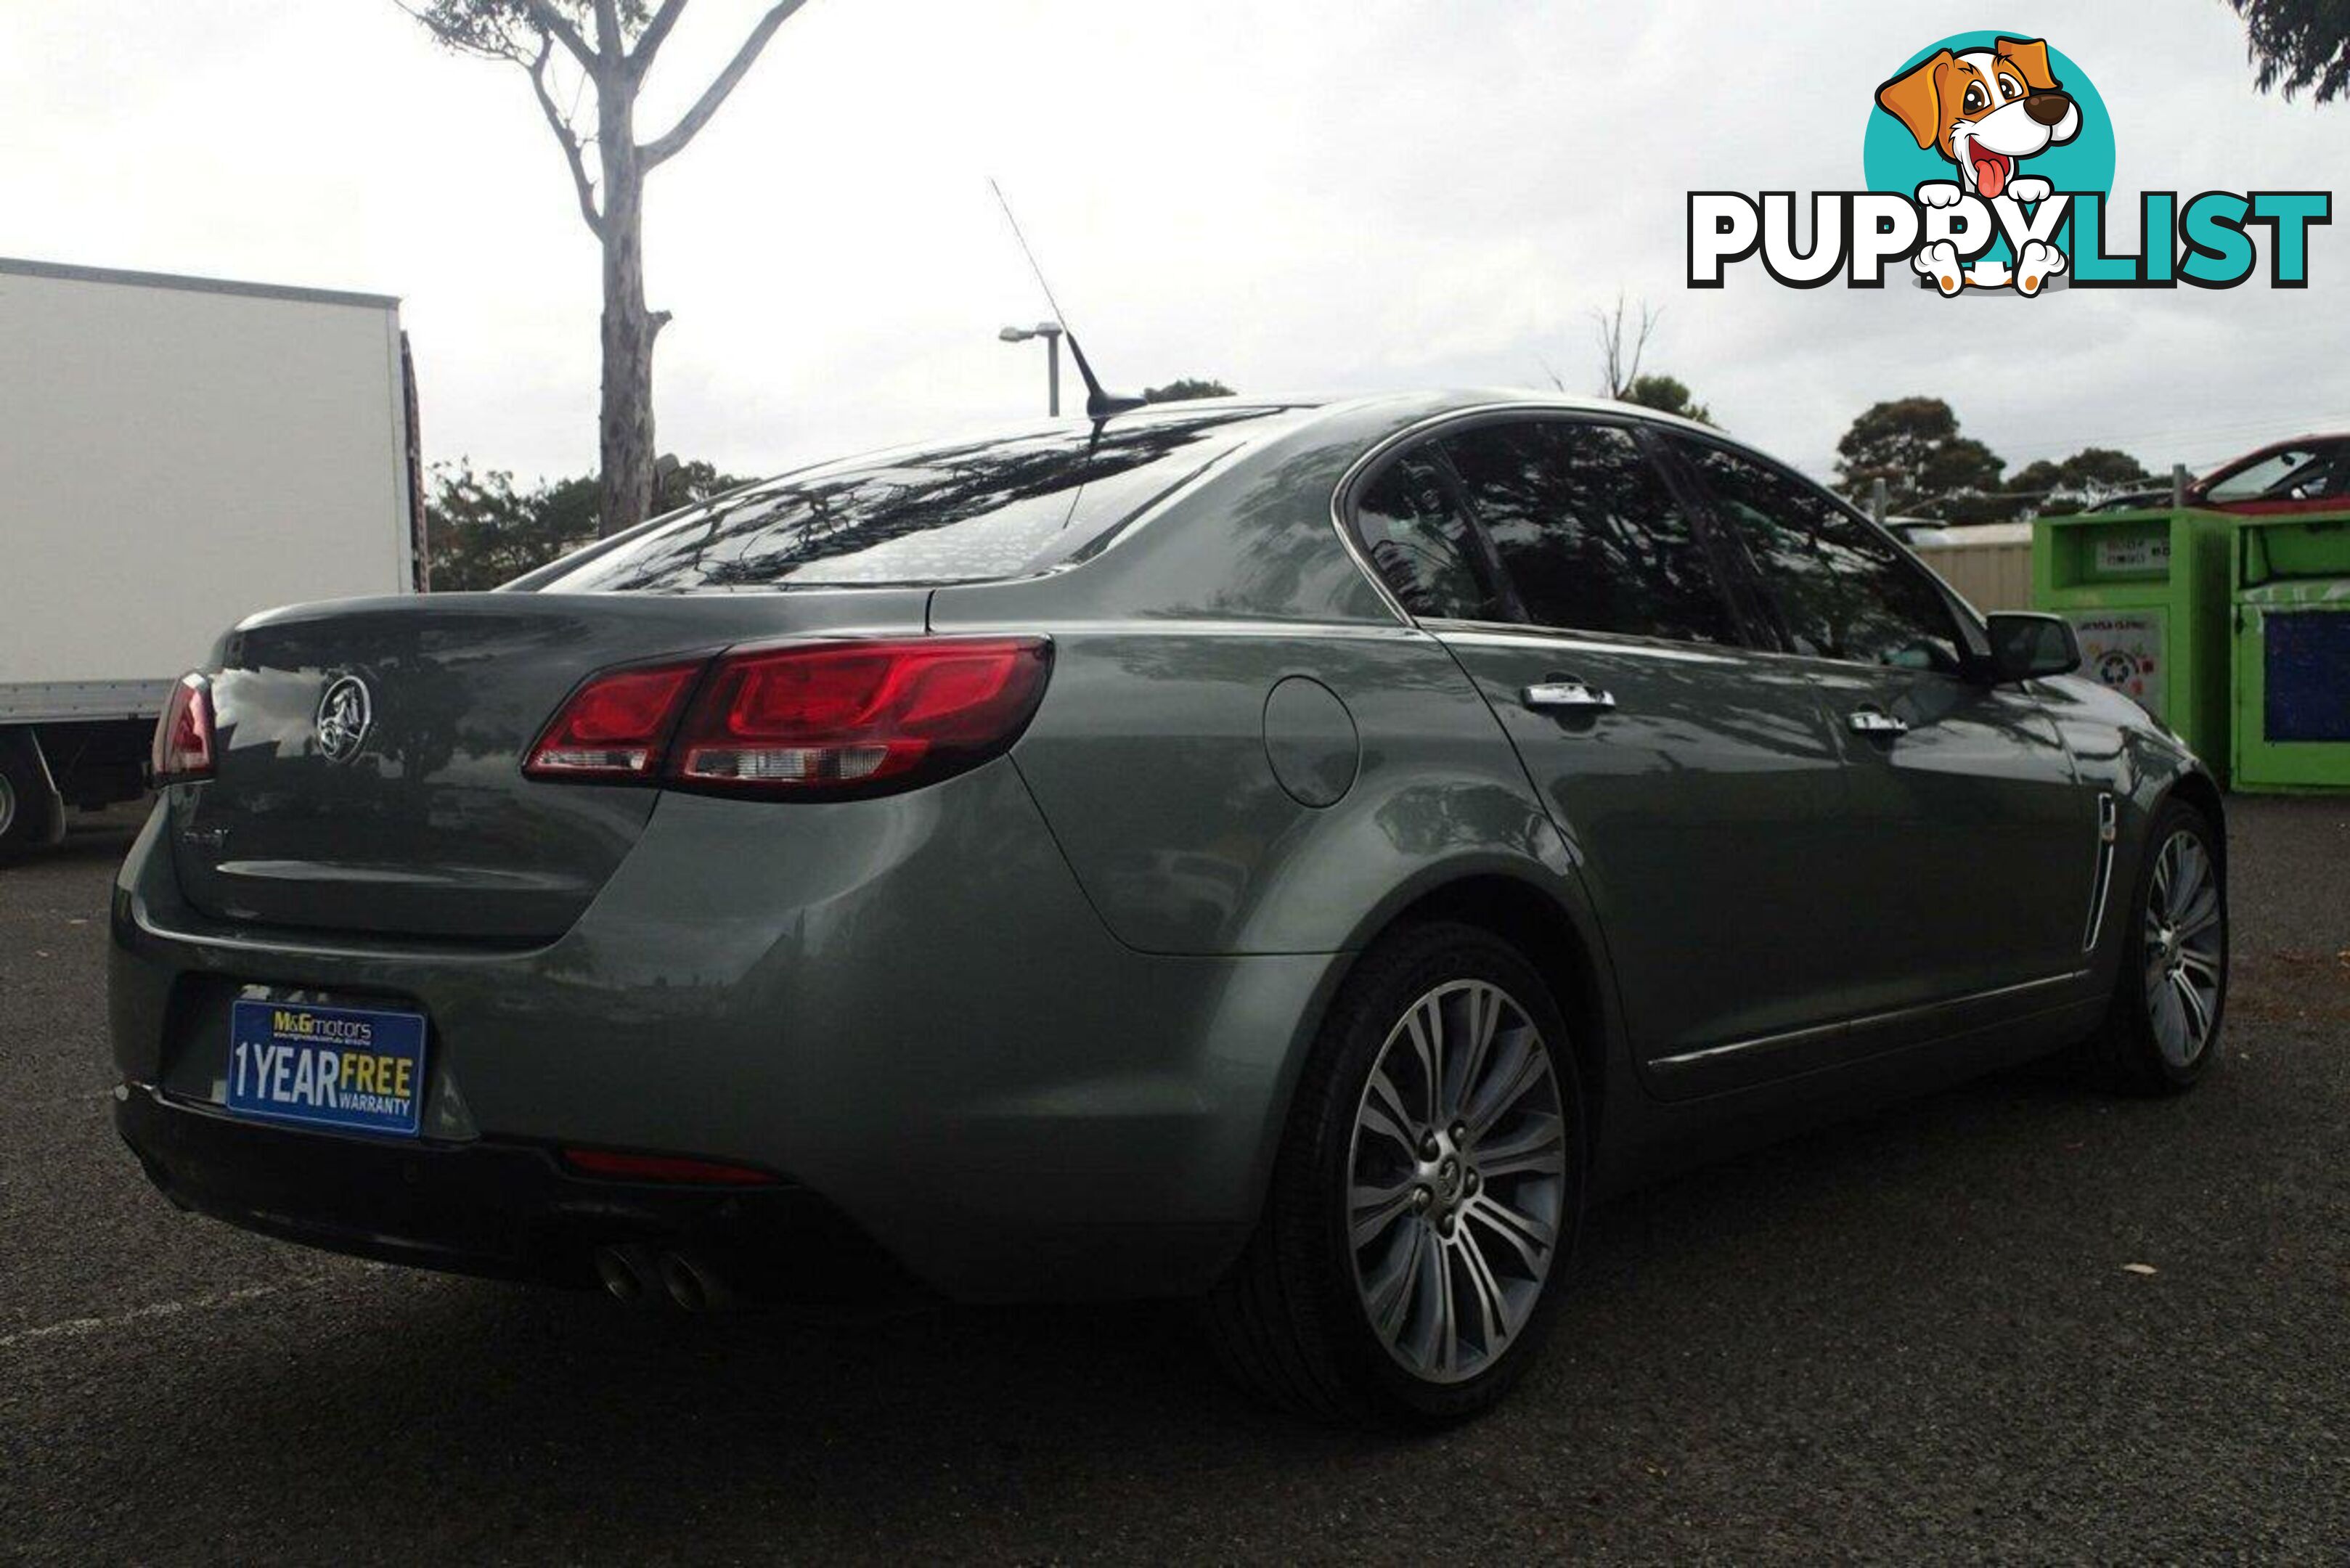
(860,717)
(812,721)
(184,735)
(614,726)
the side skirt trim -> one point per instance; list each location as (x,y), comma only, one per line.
(1713,1054)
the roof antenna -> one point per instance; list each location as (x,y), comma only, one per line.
(1100,405)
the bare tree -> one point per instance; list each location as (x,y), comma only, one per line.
(1621,364)
(613,44)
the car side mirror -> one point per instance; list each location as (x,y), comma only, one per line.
(2026,646)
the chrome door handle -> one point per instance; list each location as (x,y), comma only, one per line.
(1566,696)
(1875,722)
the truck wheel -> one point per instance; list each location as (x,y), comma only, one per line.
(1426,1197)
(2162,1028)
(31,815)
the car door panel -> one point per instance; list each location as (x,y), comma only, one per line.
(1969,827)
(1694,778)
(1966,847)
(1698,805)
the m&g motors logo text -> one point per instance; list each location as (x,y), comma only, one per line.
(1990,161)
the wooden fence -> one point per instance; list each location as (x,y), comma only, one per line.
(1991,566)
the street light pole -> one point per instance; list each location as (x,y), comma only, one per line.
(1050,331)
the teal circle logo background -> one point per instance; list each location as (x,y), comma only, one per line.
(1891,160)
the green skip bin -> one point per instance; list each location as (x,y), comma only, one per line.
(2148,594)
(2290,584)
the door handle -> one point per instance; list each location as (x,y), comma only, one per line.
(1566,697)
(1875,722)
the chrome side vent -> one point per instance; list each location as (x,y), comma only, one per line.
(2101,886)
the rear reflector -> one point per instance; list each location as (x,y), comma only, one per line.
(613,727)
(620,1167)
(858,717)
(183,749)
(811,720)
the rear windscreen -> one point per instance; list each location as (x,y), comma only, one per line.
(982,511)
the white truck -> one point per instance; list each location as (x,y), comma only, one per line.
(175,454)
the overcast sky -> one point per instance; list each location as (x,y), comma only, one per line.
(1303,196)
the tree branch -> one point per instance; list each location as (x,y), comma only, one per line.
(656,32)
(1640,344)
(1619,374)
(670,144)
(467,34)
(553,24)
(572,155)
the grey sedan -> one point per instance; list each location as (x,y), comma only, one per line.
(1294,855)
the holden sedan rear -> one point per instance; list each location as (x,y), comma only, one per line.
(1289,854)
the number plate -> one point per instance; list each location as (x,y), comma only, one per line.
(356,1069)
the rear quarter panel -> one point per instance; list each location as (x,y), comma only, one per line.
(1149,755)
(1150,759)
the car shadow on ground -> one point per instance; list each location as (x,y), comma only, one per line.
(526,1405)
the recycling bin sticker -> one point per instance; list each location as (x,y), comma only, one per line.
(2124,651)
(2144,553)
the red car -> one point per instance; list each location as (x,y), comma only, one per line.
(2307,473)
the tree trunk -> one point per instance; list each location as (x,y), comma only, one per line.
(626,418)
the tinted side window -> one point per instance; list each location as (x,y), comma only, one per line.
(1418,539)
(1589,536)
(1845,592)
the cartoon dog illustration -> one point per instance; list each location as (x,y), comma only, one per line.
(1986,111)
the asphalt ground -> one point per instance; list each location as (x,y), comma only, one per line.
(2016,1320)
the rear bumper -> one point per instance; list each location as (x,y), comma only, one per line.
(504,1210)
(904,1004)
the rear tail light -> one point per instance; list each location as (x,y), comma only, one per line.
(184,735)
(810,721)
(614,726)
(859,715)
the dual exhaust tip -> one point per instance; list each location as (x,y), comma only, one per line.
(640,1276)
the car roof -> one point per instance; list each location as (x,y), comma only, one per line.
(1307,408)
(1433,402)
(2315,439)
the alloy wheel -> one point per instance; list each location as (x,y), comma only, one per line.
(2183,951)
(1456,1180)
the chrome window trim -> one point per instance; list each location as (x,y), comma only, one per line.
(1790,655)
(1509,634)
(1175,630)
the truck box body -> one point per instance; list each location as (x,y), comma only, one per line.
(176,454)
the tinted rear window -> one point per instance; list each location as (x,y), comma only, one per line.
(977,511)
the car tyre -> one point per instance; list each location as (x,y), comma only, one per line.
(1342,1305)
(2161,1030)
